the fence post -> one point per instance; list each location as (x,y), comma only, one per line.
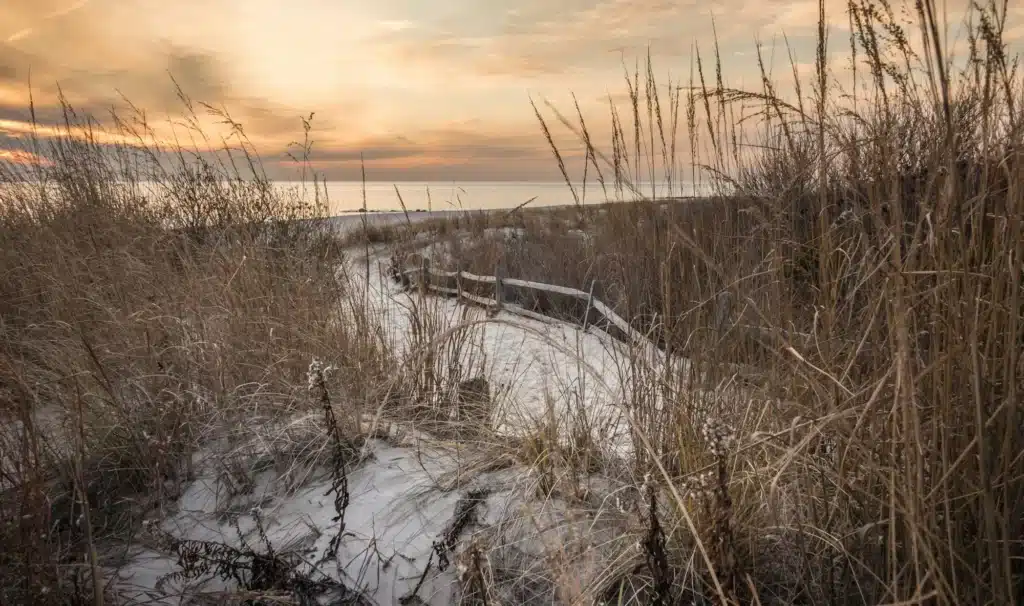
(499,288)
(590,305)
(723,312)
(458,285)
(424,275)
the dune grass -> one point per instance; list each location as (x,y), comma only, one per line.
(156,300)
(152,300)
(876,233)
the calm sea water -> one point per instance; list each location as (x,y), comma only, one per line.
(347,196)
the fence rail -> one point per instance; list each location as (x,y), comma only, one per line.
(509,293)
(537,300)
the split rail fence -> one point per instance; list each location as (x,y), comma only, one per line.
(545,302)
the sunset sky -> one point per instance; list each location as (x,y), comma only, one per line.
(433,90)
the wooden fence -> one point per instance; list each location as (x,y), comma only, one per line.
(535,300)
(544,302)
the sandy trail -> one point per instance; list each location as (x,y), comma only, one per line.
(397,509)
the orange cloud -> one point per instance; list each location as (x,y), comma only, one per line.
(454,77)
(18,129)
(22,157)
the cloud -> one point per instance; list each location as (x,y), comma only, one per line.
(16,65)
(8,72)
(151,86)
(581,39)
(265,119)
(21,157)
(438,88)
(543,38)
(55,14)
(198,73)
(470,150)
(451,147)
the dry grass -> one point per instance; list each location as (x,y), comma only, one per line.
(874,233)
(893,237)
(151,302)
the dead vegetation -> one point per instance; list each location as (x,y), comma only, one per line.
(870,223)
(869,454)
(152,300)
(874,228)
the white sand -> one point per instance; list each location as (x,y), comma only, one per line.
(396,510)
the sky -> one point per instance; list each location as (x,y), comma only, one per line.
(419,90)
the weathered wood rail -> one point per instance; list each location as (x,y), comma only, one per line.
(535,300)
(545,302)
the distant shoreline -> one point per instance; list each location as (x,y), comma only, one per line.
(391,211)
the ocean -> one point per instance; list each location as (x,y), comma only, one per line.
(383,197)
(347,196)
